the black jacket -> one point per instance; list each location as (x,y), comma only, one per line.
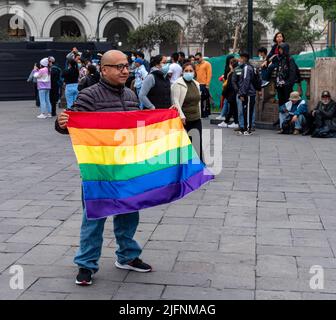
(160,94)
(286,72)
(89,81)
(70,76)
(327,113)
(103,97)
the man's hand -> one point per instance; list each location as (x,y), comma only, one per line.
(242,98)
(294,119)
(174,107)
(63,120)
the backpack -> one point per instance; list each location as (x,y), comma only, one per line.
(256,81)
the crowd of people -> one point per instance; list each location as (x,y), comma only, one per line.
(242,82)
(120,82)
(183,83)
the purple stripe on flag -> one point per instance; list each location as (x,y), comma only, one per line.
(98,209)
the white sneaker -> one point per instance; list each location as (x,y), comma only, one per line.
(49,115)
(223,125)
(42,116)
(220,118)
(233,126)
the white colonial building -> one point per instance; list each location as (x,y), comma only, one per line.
(48,20)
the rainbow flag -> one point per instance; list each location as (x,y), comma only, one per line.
(133,160)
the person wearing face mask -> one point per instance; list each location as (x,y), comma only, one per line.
(155,92)
(322,120)
(186,96)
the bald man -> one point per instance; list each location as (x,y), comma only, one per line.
(109,95)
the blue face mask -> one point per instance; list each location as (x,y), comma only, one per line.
(79,65)
(165,69)
(188,76)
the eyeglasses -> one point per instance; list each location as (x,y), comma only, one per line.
(119,67)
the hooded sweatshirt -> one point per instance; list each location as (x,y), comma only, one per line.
(286,71)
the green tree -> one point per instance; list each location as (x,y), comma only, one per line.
(150,35)
(328,6)
(295,24)
(226,25)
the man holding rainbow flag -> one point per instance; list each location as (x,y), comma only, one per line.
(129,160)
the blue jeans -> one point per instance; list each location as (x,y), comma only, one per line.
(225,109)
(71,93)
(141,106)
(91,240)
(45,101)
(240,112)
(298,124)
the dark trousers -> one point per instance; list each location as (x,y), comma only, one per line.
(283,94)
(313,123)
(194,129)
(248,107)
(37,96)
(233,111)
(54,97)
(267,72)
(205,101)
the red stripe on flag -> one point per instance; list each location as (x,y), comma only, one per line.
(119,120)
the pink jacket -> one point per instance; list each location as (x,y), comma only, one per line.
(43,79)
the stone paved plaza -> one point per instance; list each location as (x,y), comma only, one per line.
(253,233)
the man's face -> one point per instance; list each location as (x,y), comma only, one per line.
(242,60)
(116,69)
(325,100)
(262,55)
(198,59)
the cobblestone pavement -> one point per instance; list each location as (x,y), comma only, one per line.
(253,233)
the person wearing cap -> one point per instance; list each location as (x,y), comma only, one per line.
(140,74)
(56,84)
(292,113)
(323,117)
(43,77)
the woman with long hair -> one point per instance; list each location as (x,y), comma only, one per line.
(224,105)
(71,76)
(272,59)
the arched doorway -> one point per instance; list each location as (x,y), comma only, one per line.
(116,32)
(67,27)
(12,29)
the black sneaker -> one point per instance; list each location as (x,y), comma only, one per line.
(136,265)
(84,277)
